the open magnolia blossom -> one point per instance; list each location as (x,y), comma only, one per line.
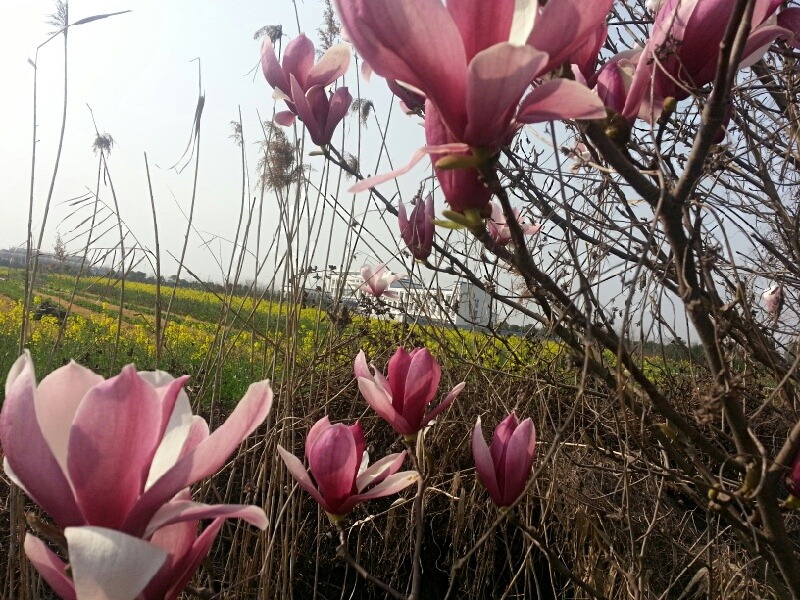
(412,384)
(499,229)
(339,465)
(474,61)
(115,453)
(301,83)
(682,53)
(506,467)
(378,279)
(110,565)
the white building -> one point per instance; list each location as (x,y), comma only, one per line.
(461,304)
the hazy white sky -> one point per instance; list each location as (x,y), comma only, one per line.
(135,71)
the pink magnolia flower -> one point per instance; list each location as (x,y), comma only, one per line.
(499,229)
(506,467)
(114,453)
(682,53)
(586,55)
(119,565)
(377,281)
(301,84)
(335,455)
(418,232)
(470,58)
(412,385)
(773,299)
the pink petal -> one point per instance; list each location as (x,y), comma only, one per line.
(198,432)
(339,105)
(448,400)
(419,153)
(177,540)
(300,475)
(284,118)
(110,565)
(390,485)
(50,567)
(333,64)
(398,373)
(206,458)
(57,398)
(334,462)
(560,99)
(183,569)
(298,60)
(381,403)
(314,432)
(484,465)
(414,41)
(360,366)
(304,110)
(482,24)
(519,460)
(27,452)
(111,445)
(376,473)
(424,374)
(272,70)
(502,434)
(790,19)
(565,25)
(176,432)
(178,511)
(496,80)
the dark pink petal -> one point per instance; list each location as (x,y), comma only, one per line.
(272,70)
(398,372)
(110,565)
(585,56)
(298,59)
(179,511)
(390,485)
(177,541)
(314,432)
(305,111)
(448,400)
(413,41)
(381,403)
(184,568)
(358,437)
(790,19)
(284,118)
(334,463)
(496,79)
(337,110)
(484,465)
(376,473)
(760,40)
(482,24)
(111,446)
(27,452)
(502,434)
(300,475)
(333,64)
(206,458)
(57,398)
(560,99)
(422,382)
(50,567)
(565,25)
(519,460)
